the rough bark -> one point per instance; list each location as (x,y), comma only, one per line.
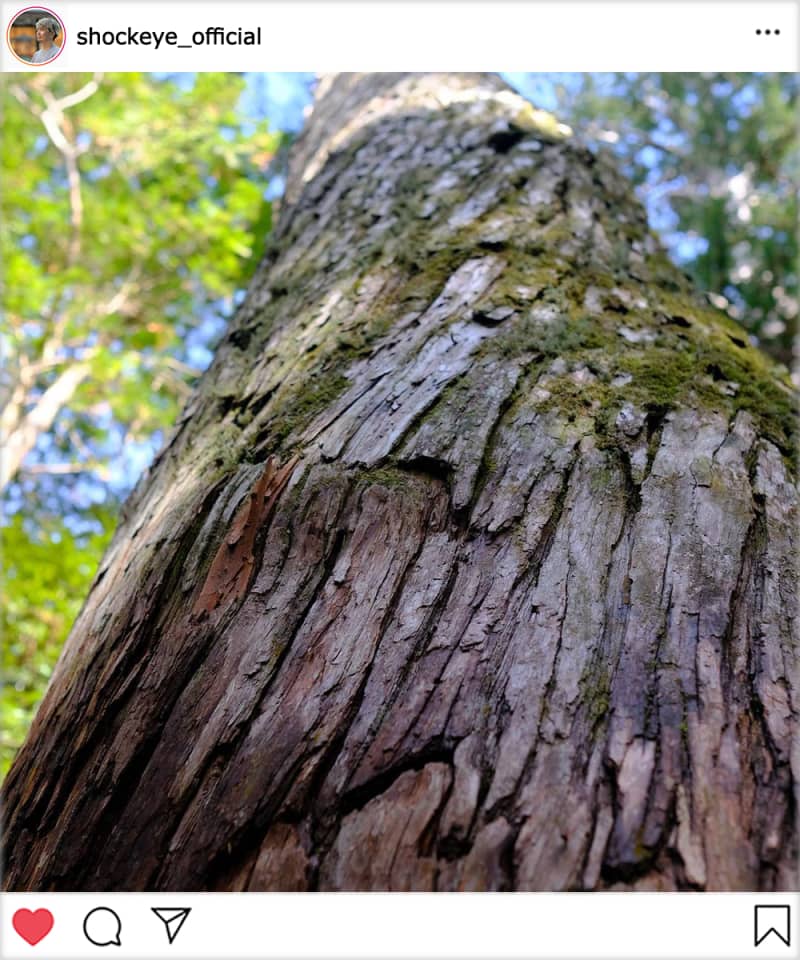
(468,566)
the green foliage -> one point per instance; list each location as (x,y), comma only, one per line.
(129,218)
(133,210)
(47,572)
(716,157)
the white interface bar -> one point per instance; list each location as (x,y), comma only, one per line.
(372,926)
(510,35)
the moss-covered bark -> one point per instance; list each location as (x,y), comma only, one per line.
(518,616)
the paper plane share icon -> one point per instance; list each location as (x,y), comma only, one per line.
(173,919)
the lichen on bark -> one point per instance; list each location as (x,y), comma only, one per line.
(520,618)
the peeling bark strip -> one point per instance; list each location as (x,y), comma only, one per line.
(233,563)
(516,613)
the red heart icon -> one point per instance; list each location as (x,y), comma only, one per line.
(33,925)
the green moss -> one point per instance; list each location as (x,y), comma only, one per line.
(688,355)
(389,477)
(642,852)
(542,123)
(402,486)
(603,479)
(221,450)
(595,688)
(319,393)
(660,374)
(763,389)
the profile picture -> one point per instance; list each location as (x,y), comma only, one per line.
(36,35)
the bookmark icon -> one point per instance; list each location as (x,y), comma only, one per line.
(173,919)
(773,918)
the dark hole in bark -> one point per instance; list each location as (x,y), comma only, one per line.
(452,848)
(655,418)
(431,466)
(506,861)
(616,306)
(226,404)
(493,245)
(715,372)
(737,340)
(264,435)
(257,405)
(679,321)
(439,750)
(241,338)
(628,870)
(493,317)
(504,140)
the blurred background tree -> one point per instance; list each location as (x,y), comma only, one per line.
(136,208)
(133,211)
(716,160)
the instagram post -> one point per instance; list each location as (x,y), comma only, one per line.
(399,481)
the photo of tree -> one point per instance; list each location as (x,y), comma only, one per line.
(400,481)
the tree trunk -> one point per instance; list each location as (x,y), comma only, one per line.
(468,566)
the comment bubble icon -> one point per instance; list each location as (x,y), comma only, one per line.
(102,927)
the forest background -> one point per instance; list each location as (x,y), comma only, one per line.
(137,206)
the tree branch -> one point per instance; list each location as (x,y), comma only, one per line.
(61,469)
(18,444)
(79,96)
(53,117)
